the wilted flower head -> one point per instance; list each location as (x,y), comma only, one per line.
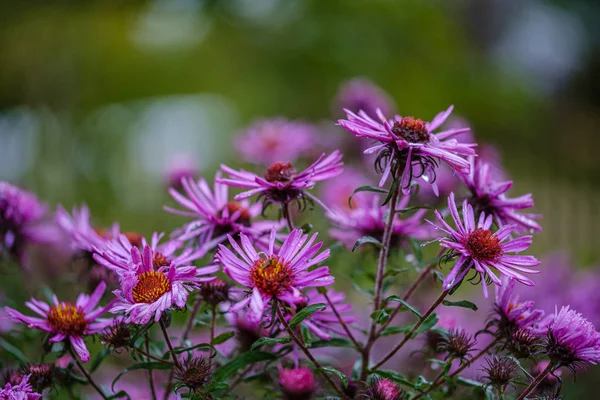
(117,335)
(40,375)
(152,282)
(215,292)
(362,94)
(489,196)
(367,218)
(281,182)
(385,389)
(68,321)
(297,383)
(572,341)
(500,372)
(457,343)
(22,391)
(268,141)
(478,248)
(194,373)
(21,220)
(215,216)
(275,274)
(409,146)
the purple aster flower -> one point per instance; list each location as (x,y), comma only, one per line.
(152,282)
(489,196)
(362,94)
(367,216)
(338,190)
(274,274)
(572,341)
(78,226)
(512,313)
(21,220)
(477,247)
(297,383)
(22,391)
(183,166)
(215,216)
(282,183)
(269,141)
(67,321)
(409,144)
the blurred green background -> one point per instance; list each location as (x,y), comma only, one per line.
(98,98)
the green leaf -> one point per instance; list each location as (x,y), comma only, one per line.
(409,209)
(462,303)
(223,337)
(146,365)
(333,342)
(120,395)
(364,189)
(394,330)
(179,350)
(305,313)
(336,372)
(469,382)
(394,376)
(380,316)
(427,324)
(421,382)
(367,239)
(98,360)
(393,188)
(405,304)
(269,341)
(240,362)
(416,248)
(16,353)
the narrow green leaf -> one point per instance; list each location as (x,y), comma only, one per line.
(405,304)
(336,372)
(380,316)
(120,395)
(146,365)
(223,337)
(98,360)
(393,188)
(366,239)
(269,341)
(333,342)
(409,209)
(469,382)
(462,303)
(179,350)
(364,189)
(427,324)
(16,353)
(240,362)
(305,313)
(394,330)
(394,376)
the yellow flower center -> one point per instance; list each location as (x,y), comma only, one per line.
(68,319)
(271,276)
(151,285)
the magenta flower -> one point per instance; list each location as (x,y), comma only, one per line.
(269,141)
(215,216)
(297,383)
(409,144)
(182,166)
(21,220)
(282,183)
(477,247)
(152,282)
(22,391)
(67,321)
(367,216)
(338,190)
(489,196)
(510,312)
(572,340)
(385,389)
(275,274)
(78,226)
(362,94)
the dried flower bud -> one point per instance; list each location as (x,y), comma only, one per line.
(385,389)
(457,343)
(12,376)
(41,375)
(215,292)
(116,336)
(500,371)
(522,343)
(194,372)
(297,383)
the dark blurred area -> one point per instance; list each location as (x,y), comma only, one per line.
(99,99)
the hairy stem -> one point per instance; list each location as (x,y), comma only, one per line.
(213,322)
(285,210)
(150,356)
(306,352)
(409,335)
(87,374)
(536,382)
(163,328)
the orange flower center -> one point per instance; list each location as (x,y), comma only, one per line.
(151,285)
(483,245)
(280,172)
(68,319)
(412,130)
(234,206)
(271,276)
